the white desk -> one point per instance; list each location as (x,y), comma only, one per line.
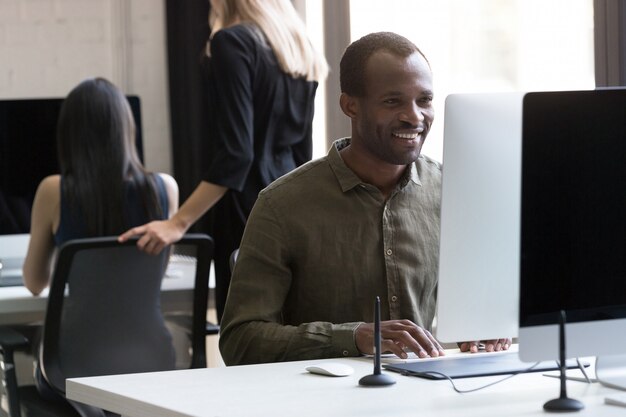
(19,306)
(286,389)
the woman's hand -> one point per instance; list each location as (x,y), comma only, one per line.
(154,236)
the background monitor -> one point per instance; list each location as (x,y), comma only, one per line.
(479,248)
(573,224)
(28,153)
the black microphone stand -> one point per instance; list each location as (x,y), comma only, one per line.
(563,403)
(377,379)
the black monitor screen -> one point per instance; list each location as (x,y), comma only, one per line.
(28,154)
(573,214)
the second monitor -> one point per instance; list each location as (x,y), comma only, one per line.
(479,249)
(573,223)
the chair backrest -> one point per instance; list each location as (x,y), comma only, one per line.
(104,313)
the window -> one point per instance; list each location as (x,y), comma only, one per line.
(485,45)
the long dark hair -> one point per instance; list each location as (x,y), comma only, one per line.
(98,158)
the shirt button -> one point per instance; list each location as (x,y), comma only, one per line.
(389,252)
(345,353)
(394,298)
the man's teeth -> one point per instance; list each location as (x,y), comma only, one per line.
(407,135)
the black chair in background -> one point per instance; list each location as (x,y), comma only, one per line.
(104,317)
(233,259)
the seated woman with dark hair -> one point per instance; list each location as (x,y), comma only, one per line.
(103,189)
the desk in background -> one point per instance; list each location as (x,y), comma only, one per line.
(286,389)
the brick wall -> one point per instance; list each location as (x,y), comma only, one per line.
(49,46)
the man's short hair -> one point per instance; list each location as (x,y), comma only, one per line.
(354,59)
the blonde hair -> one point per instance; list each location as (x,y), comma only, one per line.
(283,30)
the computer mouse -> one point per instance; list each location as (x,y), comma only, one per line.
(330,369)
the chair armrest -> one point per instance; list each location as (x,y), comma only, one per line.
(10,340)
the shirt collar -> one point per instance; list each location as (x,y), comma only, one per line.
(412,175)
(348,179)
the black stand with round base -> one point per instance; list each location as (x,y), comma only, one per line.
(563,403)
(377,379)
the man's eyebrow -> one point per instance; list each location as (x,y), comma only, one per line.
(392,93)
(401,93)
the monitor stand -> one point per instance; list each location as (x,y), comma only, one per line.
(611,371)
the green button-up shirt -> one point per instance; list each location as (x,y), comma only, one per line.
(319,246)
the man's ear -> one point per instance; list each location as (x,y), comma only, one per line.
(349,105)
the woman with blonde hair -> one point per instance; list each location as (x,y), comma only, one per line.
(263,74)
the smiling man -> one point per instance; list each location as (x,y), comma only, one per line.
(323,241)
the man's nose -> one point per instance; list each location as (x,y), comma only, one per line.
(412,114)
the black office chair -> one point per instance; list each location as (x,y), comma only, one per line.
(233,259)
(104,317)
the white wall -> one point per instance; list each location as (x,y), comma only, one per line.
(49,46)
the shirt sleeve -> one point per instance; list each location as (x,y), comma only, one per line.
(252,329)
(231,67)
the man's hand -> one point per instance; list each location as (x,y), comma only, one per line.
(494,345)
(155,235)
(397,336)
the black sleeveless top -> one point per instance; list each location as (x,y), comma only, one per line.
(72,224)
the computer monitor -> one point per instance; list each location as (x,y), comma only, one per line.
(573,224)
(27,155)
(479,243)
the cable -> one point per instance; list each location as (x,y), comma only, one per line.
(582,369)
(434,373)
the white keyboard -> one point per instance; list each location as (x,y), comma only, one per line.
(616,399)
(11,271)
(182,259)
(179,265)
